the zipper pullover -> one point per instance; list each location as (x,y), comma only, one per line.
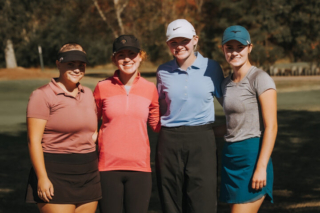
(123,138)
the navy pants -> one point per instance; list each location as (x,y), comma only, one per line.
(186,166)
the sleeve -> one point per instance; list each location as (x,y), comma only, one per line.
(154,112)
(217,80)
(263,82)
(162,96)
(97,98)
(159,86)
(38,106)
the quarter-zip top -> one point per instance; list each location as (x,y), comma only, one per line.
(123,138)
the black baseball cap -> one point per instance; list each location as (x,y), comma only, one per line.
(126,42)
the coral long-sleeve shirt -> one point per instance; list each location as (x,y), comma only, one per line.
(123,138)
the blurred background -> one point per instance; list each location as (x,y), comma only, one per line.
(282,31)
(285,35)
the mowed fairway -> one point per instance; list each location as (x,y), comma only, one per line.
(296,155)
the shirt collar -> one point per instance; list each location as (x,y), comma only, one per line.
(116,76)
(58,90)
(197,64)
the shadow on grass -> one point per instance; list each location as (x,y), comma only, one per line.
(296,159)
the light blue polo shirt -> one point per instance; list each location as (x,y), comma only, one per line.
(186,97)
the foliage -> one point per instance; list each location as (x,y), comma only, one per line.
(279,29)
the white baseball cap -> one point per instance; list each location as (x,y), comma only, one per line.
(180,28)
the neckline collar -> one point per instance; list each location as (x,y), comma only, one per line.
(58,90)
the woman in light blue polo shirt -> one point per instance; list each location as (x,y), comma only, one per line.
(250,106)
(186,163)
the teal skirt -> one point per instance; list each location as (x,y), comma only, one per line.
(239,160)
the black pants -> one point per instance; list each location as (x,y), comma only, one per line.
(186,166)
(128,189)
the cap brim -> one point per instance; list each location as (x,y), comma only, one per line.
(134,49)
(73,55)
(241,40)
(182,35)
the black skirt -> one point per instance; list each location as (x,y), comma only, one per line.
(75,179)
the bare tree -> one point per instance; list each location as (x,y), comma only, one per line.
(9,55)
(119,6)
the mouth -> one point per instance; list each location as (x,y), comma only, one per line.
(127,65)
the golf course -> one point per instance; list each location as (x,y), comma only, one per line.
(295,158)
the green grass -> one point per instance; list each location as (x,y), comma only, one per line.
(295,157)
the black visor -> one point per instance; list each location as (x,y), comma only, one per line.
(73,55)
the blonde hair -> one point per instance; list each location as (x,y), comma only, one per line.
(71,46)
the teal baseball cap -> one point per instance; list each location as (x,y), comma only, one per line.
(237,33)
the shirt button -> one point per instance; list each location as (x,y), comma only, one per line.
(186,87)
(185,93)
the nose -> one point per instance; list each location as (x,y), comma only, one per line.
(234,52)
(76,69)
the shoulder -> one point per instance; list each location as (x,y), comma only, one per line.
(86,89)
(43,91)
(225,81)
(257,74)
(260,80)
(105,82)
(146,83)
(166,66)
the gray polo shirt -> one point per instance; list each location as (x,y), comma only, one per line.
(241,105)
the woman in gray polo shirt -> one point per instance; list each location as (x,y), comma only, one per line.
(250,105)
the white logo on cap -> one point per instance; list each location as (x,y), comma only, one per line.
(61,59)
(248,42)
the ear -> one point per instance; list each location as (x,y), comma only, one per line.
(113,59)
(195,39)
(250,46)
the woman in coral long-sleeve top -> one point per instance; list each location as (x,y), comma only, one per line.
(126,102)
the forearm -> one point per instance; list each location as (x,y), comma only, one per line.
(37,159)
(268,142)
(35,131)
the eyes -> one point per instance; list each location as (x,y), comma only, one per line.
(237,48)
(76,65)
(174,43)
(126,53)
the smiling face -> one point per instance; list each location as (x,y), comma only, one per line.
(72,71)
(181,48)
(236,53)
(127,61)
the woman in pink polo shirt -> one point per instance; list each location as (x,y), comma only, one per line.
(62,123)
(126,102)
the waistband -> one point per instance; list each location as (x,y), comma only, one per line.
(199,128)
(73,158)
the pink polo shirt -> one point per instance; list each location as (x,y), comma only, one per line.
(71,121)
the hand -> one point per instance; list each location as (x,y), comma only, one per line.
(259,179)
(45,189)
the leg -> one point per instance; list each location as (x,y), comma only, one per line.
(169,168)
(87,207)
(56,208)
(137,192)
(201,174)
(252,207)
(112,192)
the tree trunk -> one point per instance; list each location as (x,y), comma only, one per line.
(119,8)
(115,34)
(9,55)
